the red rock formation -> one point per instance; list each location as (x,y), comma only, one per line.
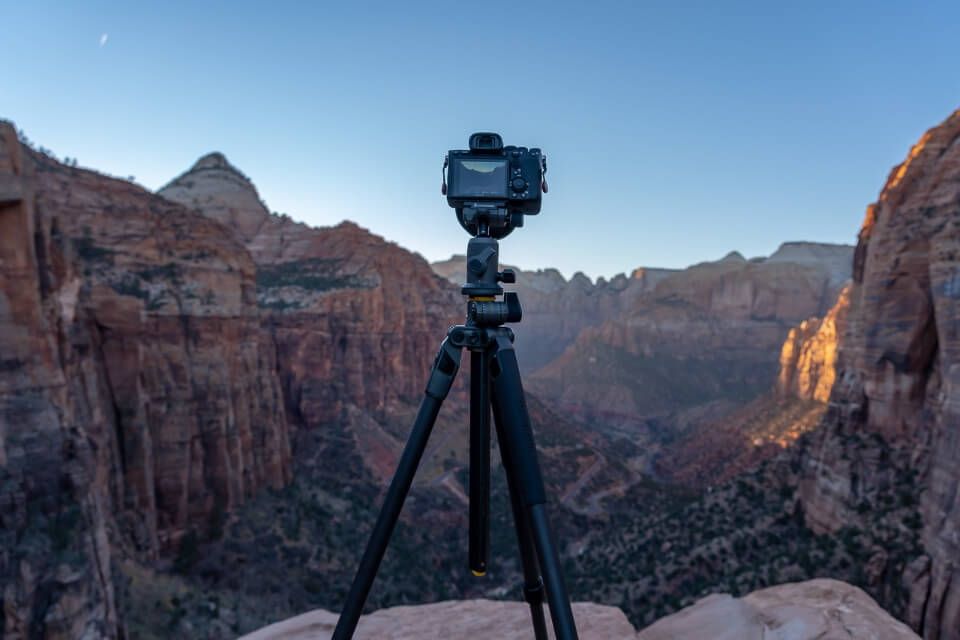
(138,391)
(55,434)
(357,320)
(191,374)
(895,403)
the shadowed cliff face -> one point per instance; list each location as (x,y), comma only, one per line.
(357,321)
(138,393)
(55,435)
(899,376)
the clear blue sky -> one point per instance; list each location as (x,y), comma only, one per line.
(675,131)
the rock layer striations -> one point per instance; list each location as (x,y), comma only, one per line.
(895,406)
(139,399)
(356,320)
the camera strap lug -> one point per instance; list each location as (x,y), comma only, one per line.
(443,186)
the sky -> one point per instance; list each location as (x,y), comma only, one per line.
(675,131)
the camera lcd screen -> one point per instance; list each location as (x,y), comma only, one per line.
(479,178)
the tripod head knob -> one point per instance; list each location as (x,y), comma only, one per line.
(507,276)
(479,263)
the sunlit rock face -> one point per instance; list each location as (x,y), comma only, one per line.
(895,403)
(808,358)
(138,392)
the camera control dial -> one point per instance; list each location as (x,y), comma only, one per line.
(518,184)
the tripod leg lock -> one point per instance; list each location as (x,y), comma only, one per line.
(445,369)
(533,594)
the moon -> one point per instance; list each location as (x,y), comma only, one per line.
(103,38)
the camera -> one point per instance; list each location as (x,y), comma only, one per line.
(492,186)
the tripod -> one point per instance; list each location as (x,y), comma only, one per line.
(494,383)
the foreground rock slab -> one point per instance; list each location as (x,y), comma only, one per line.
(475,619)
(822,609)
(819,609)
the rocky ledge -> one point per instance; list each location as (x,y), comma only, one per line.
(799,611)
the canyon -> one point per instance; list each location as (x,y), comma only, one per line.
(201,402)
(703,340)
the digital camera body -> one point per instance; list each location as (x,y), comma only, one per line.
(491,175)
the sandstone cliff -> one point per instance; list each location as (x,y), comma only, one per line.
(54,429)
(808,358)
(357,321)
(894,416)
(139,399)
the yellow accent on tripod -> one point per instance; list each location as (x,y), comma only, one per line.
(482,298)
(479,574)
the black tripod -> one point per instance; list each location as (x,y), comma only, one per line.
(494,382)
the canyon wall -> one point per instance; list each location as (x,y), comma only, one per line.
(894,412)
(138,391)
(56,439)
(356,320)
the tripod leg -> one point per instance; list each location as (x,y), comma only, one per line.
(532,584)
(479,461)
(441,378)
(510,405)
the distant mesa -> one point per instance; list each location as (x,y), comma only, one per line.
(836,257)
